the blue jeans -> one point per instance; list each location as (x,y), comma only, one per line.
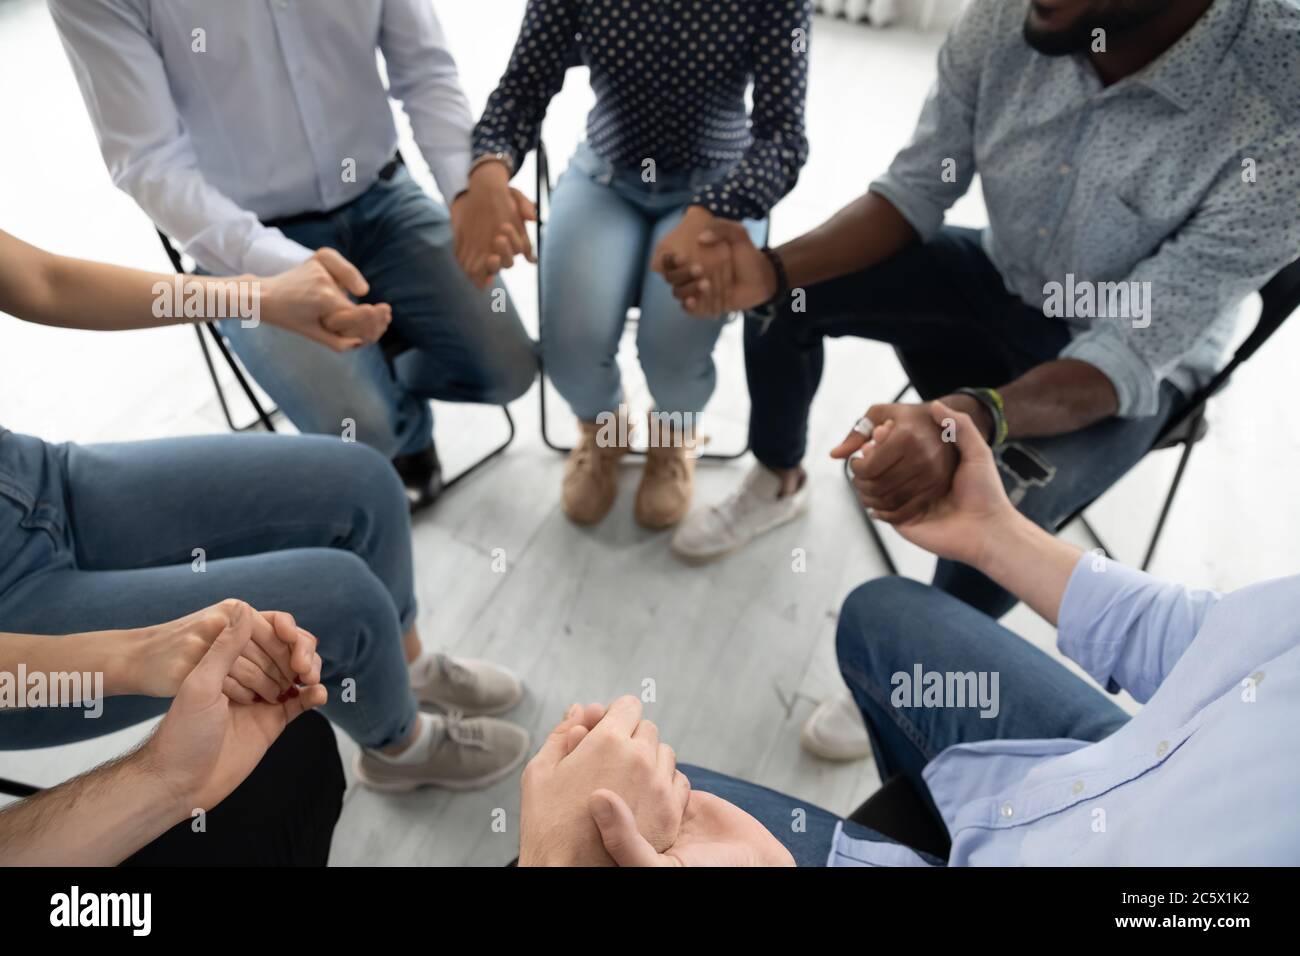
(890,625)
(604,225)
(946,310)
(458,347)
(102,537)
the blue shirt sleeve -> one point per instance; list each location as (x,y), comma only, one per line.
(1126,628)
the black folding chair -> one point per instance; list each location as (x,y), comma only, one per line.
(15,789)
(1281,299)
(264,415)
(543,200)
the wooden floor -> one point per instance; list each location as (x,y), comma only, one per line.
(738,652)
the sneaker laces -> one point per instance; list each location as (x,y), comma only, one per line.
(455,672)
(740,502)
(463,731)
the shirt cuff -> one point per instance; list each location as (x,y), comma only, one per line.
(1136,385)
(1089,594)
(451,173)
(923,215)
(272,253)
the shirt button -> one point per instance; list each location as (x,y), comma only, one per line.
(1066,169)
(1257,676)
(1007,810)
(1043,232)
(1162,748)
(1077,788)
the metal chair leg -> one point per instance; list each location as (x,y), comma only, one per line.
(1169,503)
(15,789)
(263,416)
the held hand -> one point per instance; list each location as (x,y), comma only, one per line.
(488,220)
(158,659)
(617,751)
(312,300)
(957,524)
(713,833)
(712,264)
(898,479)
(753,281)
(208,744)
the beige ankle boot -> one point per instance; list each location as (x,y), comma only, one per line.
(591,474)
(664,495)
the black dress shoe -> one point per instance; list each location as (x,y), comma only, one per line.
(421,473)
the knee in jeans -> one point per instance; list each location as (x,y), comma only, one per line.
(511,376)
(879,615)
(352,609)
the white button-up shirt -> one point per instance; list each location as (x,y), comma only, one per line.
(216,116)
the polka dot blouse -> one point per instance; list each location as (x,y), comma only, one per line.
(670,78)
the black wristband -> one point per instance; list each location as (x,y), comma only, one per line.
(782,277)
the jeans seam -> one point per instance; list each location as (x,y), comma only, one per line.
(864,682)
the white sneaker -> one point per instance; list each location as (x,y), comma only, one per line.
(752,509)
(835,730)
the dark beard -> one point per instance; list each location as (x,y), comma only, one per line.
(1077,38)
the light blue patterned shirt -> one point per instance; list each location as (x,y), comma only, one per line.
(1183,178)
(1207,773)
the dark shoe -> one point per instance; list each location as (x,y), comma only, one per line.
(421,473)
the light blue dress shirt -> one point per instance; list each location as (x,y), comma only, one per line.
(215,116)
(1208,772)
(1185,176)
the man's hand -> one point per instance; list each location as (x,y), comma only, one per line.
(590,751)
(711,264)
(752,279)
(898,481)
(155,661)
(961,523)
(207,744)
(488,220)
(312,300)
(713,833)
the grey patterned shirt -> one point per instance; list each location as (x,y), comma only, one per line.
(1176,189)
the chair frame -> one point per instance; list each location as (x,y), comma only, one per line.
(543,193)
(263,415)
(1281,299)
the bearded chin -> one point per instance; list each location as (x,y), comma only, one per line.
(1073,39)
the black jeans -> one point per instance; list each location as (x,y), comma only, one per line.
(283,815)
(946,310)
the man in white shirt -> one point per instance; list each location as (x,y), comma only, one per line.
(256,131)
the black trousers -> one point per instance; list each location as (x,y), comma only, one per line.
(283,815)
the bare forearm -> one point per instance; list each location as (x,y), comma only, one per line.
(97,819)
(867,231)
(100,652)
(47,289)
(1030,563)
(1055,398)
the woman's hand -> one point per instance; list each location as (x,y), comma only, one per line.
(710,265)
(279,657)
(312,300)
(488,220)
(209,742)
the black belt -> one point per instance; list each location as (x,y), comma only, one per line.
(297,219)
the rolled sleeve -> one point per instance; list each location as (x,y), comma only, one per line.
(936,168)
(1126,628)
(1136,383)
